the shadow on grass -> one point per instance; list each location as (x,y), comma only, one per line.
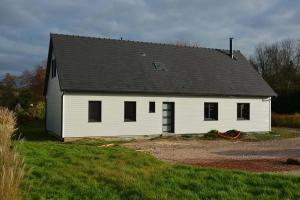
(33,131)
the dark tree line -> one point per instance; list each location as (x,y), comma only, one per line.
(24,93)
(279,65)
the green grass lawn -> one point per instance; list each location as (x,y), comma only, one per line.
(83,170)
(276,134)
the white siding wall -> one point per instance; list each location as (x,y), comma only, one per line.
(53,97)
(189,115)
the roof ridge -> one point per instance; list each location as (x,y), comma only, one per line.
(136,41)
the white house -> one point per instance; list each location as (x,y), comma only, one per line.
(106,87)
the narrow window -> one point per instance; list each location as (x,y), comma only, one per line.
(94,111)
(151,107)
(53,72)
(129,111)
(210,111)
(243,111)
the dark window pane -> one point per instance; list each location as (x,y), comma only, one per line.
(152,107)
(129,111)
(210,111)
(243,111)
(94,111)
(239,111)
(53,71)
(52,68)
(246,114)
(206,110)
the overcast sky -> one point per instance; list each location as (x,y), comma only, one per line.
(25,25)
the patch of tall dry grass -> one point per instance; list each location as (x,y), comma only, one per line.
(286,120)
(11,163)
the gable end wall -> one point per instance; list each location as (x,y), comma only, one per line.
(54,105)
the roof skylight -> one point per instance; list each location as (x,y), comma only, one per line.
(159,66)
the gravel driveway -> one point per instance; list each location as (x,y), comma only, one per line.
(254,156)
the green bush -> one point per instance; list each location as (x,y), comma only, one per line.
(37,111)
(22,115)
(211,135)
(32,113)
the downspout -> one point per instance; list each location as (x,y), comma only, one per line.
(270,115)
(62,115)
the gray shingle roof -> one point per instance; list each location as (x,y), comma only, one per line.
(105,65)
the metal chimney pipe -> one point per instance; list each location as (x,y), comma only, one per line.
(230,47)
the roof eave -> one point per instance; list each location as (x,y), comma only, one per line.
(170,93)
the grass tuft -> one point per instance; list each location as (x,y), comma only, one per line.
(11,164)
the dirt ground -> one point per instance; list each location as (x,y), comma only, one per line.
(269,156)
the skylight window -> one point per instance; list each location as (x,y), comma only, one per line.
(159,66)
(142,54)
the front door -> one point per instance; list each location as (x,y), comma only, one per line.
(168,117)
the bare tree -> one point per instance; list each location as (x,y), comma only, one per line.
(8,91)
(9,81)
(278,63)
(24,89)
(25,79)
